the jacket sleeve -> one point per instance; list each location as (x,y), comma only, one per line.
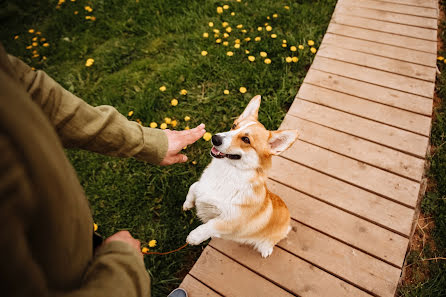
(101,129)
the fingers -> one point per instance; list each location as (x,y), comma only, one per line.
(179,158)
(193,135)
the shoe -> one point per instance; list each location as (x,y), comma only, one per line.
(178,293)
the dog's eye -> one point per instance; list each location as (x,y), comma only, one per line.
(245,139)
(233,126)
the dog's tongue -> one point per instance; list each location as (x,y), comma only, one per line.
(215,151)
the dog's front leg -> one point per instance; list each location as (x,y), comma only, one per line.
(190,198)
(202,233)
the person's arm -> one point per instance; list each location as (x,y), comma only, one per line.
(100,129)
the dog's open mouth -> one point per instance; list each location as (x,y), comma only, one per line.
(219,155)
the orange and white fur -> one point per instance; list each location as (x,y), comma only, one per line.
(231,197)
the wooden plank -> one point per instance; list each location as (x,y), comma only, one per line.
(382,26)
(355,172)
(377,62)
(342,260)
(393,7)
(231,279)
(387,16)
(371,92)
(389,136)
(196,289)
(374,76)
(368,109)
(422,3)
(342,195)
(356,148)
(380,49)
(385,38)
(357,232)
(289,271)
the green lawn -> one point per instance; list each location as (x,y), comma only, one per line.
(139,46)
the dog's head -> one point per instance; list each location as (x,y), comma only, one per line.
(248,145)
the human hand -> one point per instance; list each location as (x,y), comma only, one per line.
(179,139)
(126,237)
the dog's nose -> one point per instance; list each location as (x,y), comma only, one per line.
(217,140)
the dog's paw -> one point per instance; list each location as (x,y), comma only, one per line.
(267,252)
(195,237)
(188,205)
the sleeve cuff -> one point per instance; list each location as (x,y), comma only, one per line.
(155,146)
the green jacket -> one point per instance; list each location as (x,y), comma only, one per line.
(45,221)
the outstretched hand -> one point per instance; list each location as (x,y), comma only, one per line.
(179,139)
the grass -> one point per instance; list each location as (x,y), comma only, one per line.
(428,277)
(138,46)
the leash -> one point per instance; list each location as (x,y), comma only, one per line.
(165,253)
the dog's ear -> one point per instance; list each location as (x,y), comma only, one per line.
(281,140)
(252,110)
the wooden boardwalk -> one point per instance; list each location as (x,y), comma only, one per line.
(353,178)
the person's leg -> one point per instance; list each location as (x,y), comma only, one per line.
(178,293)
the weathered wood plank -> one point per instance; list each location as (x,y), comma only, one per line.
(370,110)
(395,138)
(289,271)
(357,232)
(369,91)
(343,195)
(379,49)
(356,148)
(196,289)
(377,62)
(379,77)
(382,37)
(382,26)
(231,279)
(421,3)
(388,16)
(393,7)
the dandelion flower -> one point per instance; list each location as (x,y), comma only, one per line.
(289,59)
(44,58)
(144,250)
(286,7)
(130,113)
(174,102)
(89,61)
(35,44)
(225,6)
(218,40)
(187,118)
(152,243)
(230,54)
(313,50)
(186,128)
(204,53)
(293,48)
(76,12)
(301,47)
(275,15)
(251,58)
(29,47)
(225,35)
(163,126)
(194,162)
(219,9)
(33,69)
(38,33)
(42,39)
(163,88)
(233,13)
(229,29)
(216,31)
(205,34)
(284,41)
(183,92)
(259,28)
(167,120)
(268,28)
(295,59)
(16,37)
(239,26)
(268,18)
(226,92)
(153,125)
(258,38)
(244,31)
(211,24)
(95,227)
(267,61)
(239,0)
(207,136)
(225,43)
(310,42)
(139,121)
(34,38)
(246,52)
(247,39)
(237,41)
(273,35)
(242,90)
(46,44)
(31,31)
(88,8)
(236,45)
(225,24)
(440,58)
(263,54)
(284,45)
(174,123)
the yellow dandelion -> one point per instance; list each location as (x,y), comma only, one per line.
(76,12)
(139,121)
(310,42)
(89,61)
(233,13)
(16,37)
(174,102)
(42,39)
(230,54)
(183,92)
(219,9)
(275,15)
(218,40)
(153,125)
(186,128)
(211,24)
(273,35)
(289,59)
(216,31)
(267,61)
(284,45)
(187,118)
(237,45)
(263,54)
(313,50)
(130,113)
(225,6)
(29,47)
(163,126)
(295,59)
(145,250)
(174,123)
(284,41)
(237,41)
(163,88)
(247,39)
(239,0)
(46,44)
(205,34)
(194,162)
(258,38)
(268,28)
(293,48)
(167,120)
(34,51)
(246,52)
(301,47)
(286,7)
(244,31)
(239,26)
(268,18)
(32,68)
(95,227)
(204,53)
(225,43)
(44,58)
(93,18)
(226,92)
(152,243)
(34,38)
(229,29)
(88,8)
(259,28)
(38,33)
(440,58)
(242,90)
(251,58)
(225,35)
(31,31)
(225,24)
(207,136)
(35,44)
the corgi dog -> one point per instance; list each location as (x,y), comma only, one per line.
(231,197)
